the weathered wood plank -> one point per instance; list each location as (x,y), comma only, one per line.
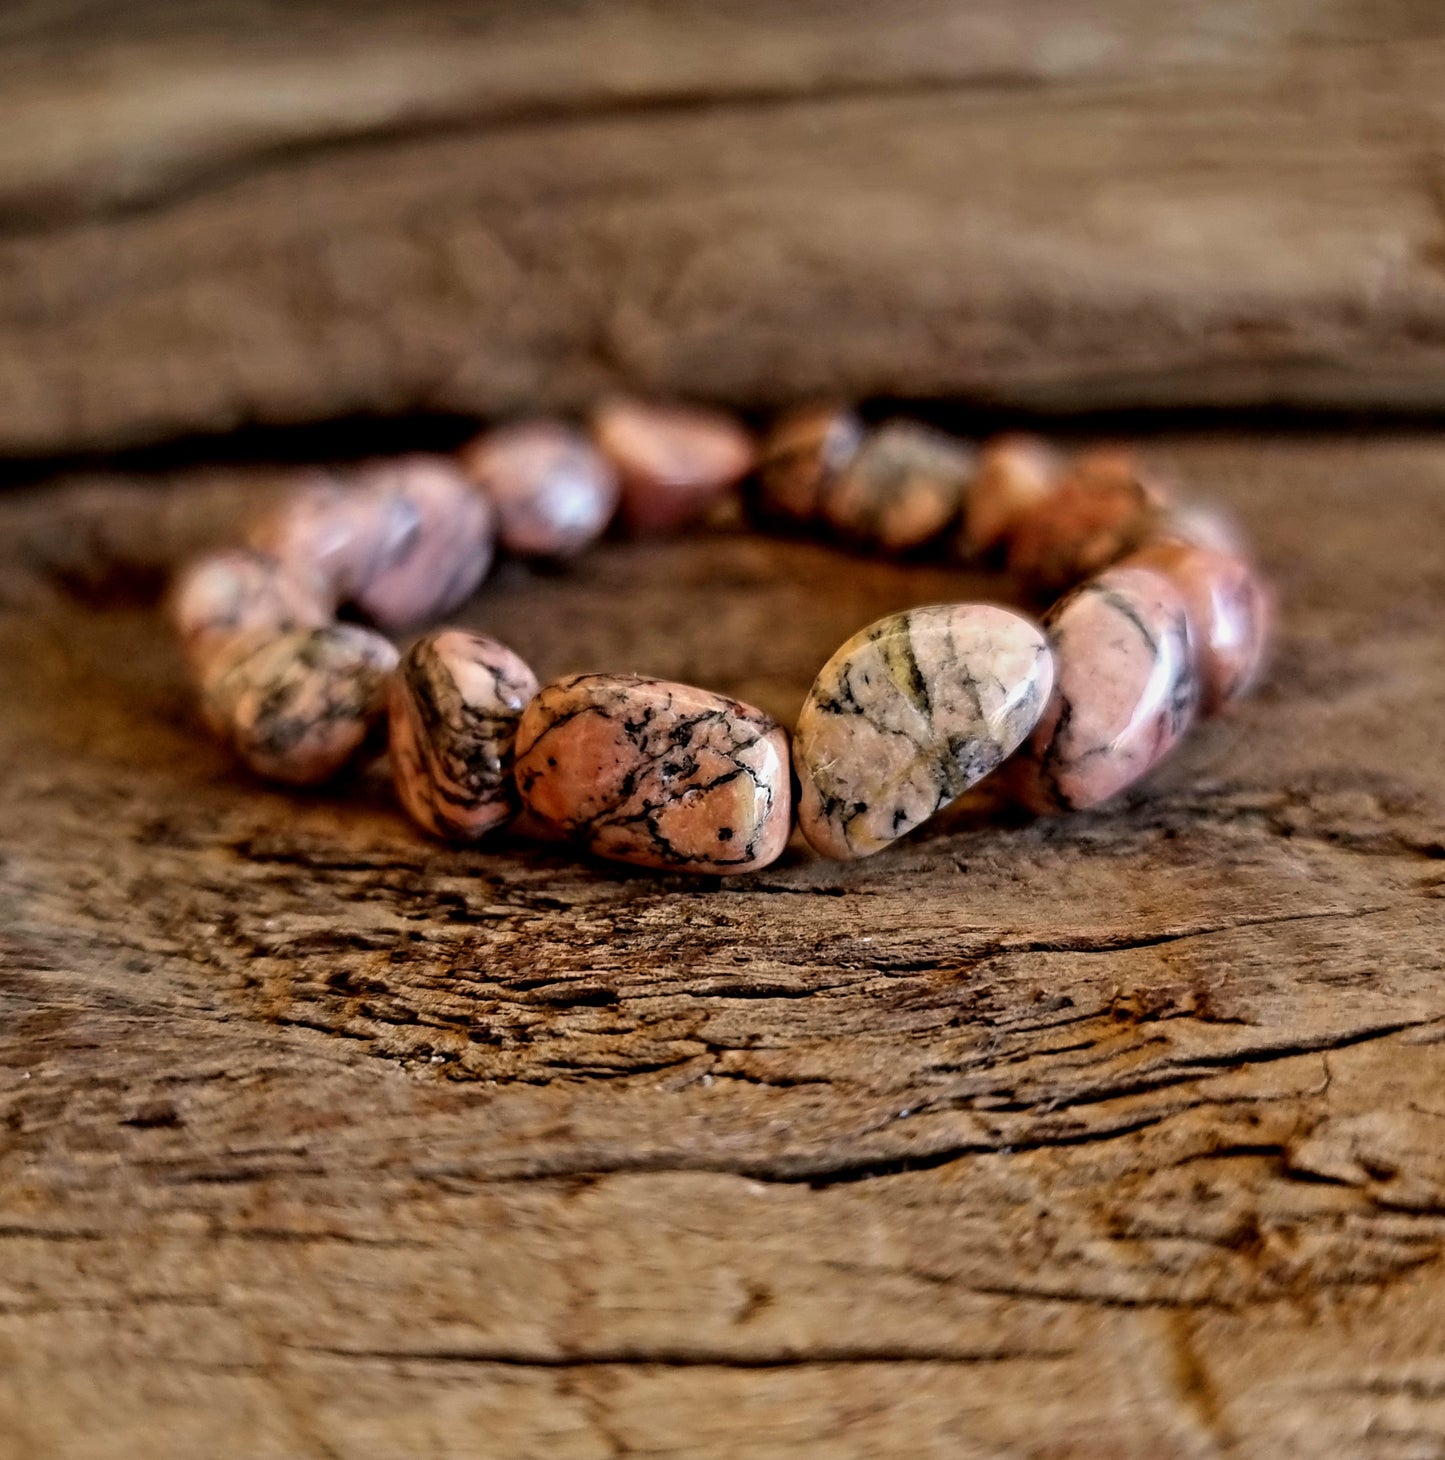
(1111,1136)
(243,213)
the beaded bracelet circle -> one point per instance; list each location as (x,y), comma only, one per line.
(1162,619)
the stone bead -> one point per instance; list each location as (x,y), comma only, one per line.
(660,774)
(238,592)
(403,540)
(1100,510)
(455,702)
(301,706)
(553,490)
(445,553)
(1203,524)
(1228,615)
(910,713)
(675,462)
(904,485)
(1125,691)
(1014,475)
(800,459)
(328,526)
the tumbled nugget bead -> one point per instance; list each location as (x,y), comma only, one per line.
(301,706)
(1013,476)
(403,540)
(445,553)
(1125,691)
(327,525)
(904,485)
(237,592)
(456,698)
(553,490)
(1228,615)
(1099,510)
(1204,524)
(675,462)
(908,714)
(800,459)
(656,773)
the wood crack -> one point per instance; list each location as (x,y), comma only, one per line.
(814,1356)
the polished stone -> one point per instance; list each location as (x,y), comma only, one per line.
(1229,615)
(676,462)
(1097,512)
(800,460)
(902,488)
(908,714)
(1013,476)
(235,592)
(553,490)
(445,554)
(326,526)
(403,540)
(661,774)
(301,706)
(1204,524)
(1125,691)
(456,699)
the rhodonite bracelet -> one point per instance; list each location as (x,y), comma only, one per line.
(1162,619)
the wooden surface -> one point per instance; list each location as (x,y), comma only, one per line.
(1111,1136)
(214,215)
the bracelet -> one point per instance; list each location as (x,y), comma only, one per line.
(1162,619)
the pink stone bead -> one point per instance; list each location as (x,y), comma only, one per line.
(675,462)
(445,554)
(1125,691)
(660,774)
(553,490)
(904,485)
(1014,475)
(908,714)
(237,592)
(404,539)
(1228,615)
(455,701)
(327,526)
(1204,524)
(800,460)
(1100,510)
(301,706)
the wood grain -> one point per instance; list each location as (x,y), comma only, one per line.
(1114,1135)
(244,212)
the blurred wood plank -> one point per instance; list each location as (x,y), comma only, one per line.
(1110,1136)
(241,212)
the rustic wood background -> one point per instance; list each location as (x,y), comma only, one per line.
(238,211)
(1111,1136)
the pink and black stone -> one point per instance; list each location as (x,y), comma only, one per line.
(1101,509)
(234,593)
(1229,614)
(301,706)
(656,773)
(1015,475)
(902,487)
(800,459)
(456,699)
(553,490)
(908,714)
(326,525)
(1125,691)
(444,550)
(675,462)
(402,540)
